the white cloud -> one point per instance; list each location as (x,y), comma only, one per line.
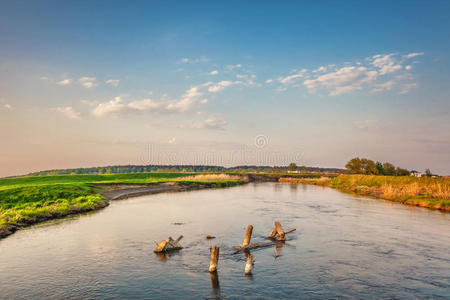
(184,104)
(269,80)
(7,106)
(344,89)
(88,82)
(222,85)
(408,67)
(214,121)
(320,69)
(231,67)
(293,77)
(214,72)
(113,82)
(110,107)
(69,112)
(342,76)
(186,60)
(414,54)
(385,86)
(64,82)
(172,140)
(386,63)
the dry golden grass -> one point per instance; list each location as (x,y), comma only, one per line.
(411,190)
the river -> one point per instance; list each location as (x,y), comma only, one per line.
(344,247)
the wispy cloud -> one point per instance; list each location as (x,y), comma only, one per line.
(88,82)
(186,60)
(64,82)
(220,86)
(214,72)
(113,82)
(232,67)
(7,106)
(214,121)
(292,77)
(69,112)
(414,54)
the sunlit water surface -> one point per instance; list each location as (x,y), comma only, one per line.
(344,246)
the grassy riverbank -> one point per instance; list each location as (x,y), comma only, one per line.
(425,191)
(32,199)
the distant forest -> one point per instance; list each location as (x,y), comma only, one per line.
(178,168)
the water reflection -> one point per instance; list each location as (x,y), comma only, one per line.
(215,281)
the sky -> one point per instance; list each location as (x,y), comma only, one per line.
(96,83)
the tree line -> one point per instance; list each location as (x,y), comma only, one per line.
(367,166)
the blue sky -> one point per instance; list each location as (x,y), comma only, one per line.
(87,83)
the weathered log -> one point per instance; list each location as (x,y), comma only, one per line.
(161,247)
(252,246)
(168,245)
(250,262)
(248,236)
(209,237)
(214,259)
(280,231)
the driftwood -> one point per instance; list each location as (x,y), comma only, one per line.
(214,259)
(249,263)
(209,237)
(168,245)
(278,232)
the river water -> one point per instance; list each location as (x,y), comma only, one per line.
(344,247)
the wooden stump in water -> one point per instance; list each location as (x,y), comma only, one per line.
(248,236)
(214,259)
(250,262)
(278,232)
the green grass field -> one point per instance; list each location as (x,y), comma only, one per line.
(26,200)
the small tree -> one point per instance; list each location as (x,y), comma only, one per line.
(389,169)
(292,167)
(368,166)
(304,169)
(401,172)
(428,172)
(354,166)
(379,166)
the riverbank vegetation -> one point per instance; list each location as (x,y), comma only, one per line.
(31,199)
(425,191)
